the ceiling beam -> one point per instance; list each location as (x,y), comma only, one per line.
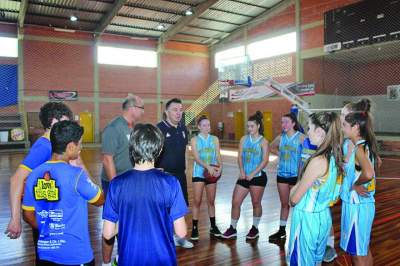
(156,9)
(186,20)
(231,12)
(22,12)
(109,16)
(66,7)
(273,11)
(248,4)
(180,2)
(153,19)
(220,21)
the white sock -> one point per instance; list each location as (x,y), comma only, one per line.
(256,221)
(116,258)
(282,223)
(234,223)
(331,241)
(106,264)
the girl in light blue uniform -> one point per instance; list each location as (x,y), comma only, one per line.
(288,146)
(206,153)
(358,208)
(316,190)
(252,159)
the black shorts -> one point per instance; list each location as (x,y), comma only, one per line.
(259,181)
(287,180)
(202,179)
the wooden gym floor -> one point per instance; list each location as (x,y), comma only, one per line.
(385,243)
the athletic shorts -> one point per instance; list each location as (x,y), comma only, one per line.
(202,179)
(259,181)
(287,180)
(356,227)
(309,232)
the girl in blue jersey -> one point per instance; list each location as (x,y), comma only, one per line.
(252,159)
(206,153)
(358,207)
(288,146)
(312,195)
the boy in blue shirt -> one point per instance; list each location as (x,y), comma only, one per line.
(55,201)
(147,204)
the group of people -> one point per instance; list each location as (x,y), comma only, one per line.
(144,185)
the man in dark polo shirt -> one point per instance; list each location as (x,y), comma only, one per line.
(115,151)
(172,158)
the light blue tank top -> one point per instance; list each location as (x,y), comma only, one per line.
(351,176)
(252,154)
(322,193)
(289,155)
(206,149)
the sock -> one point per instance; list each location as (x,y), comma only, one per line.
(331,241)
(212,221)
(195,223)
(116,258)
(234,223)
(282,223)
(106,264)
(256,221)
(282,229)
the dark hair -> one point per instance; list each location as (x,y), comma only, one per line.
(145,143)
(64,132)
(364,122)
(363,105)
(293,117)
(174,100)
(258,118)
(53,110)
(201,118)
(332,144)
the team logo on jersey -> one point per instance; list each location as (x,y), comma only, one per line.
(46,188)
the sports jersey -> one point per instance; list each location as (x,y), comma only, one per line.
(58,194)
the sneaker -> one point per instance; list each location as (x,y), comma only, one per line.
(253,233)
(330,254)
(229,233)
(115,262)
(214,231)
(281,234)
(182,242)
(195,234)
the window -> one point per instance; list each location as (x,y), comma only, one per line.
(8,47)
(126,57)
(283,44)
(230,57)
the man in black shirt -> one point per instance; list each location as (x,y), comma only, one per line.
(172,158)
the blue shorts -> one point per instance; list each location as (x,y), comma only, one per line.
(356,227)
(309,232)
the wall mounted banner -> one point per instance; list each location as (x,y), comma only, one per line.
(55,95)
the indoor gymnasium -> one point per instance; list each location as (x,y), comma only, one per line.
(200,132)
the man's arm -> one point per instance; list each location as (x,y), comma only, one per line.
(180,227)
(109,229)
(109,167)
(13,230)
(29,217)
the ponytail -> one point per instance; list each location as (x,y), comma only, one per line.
(258,118)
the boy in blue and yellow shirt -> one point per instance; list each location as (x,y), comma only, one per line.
(55,201)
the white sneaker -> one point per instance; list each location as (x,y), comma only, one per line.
(182,242)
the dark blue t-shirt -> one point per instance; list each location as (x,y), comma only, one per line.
(146,204)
